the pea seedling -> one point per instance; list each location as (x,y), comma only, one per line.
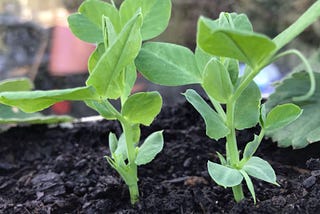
(118,34)
(222,44)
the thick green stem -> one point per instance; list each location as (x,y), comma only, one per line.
(238,193)
(232,148)
(307,18)
(131,175)
(134,193)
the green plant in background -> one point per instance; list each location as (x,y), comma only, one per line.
(118,34)
(9,115)
(222,44)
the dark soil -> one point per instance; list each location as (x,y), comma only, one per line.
(62,170)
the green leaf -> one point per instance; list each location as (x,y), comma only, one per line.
(156,15)
(223,175)
(202,59)
(261,169)
(234,21)
(150,148)
(109,32)
(95,57)
(130,76)
(296,134)
(10,115)
(142,107)
(251,148)
(232,67)
(249,185)
(314,136)
(95,9)
(87,23)
(85,30)
(247,108)
(223,161)
(121,53)
(113,142)
(121,148)
(217,82)
(102,108)
(263,115)
(229,21)
(281,115)
(32,101)
(16,84)
(251,48)
(168,64)
(215,127)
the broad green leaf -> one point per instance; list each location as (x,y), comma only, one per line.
(16,84)
(87,23)
(95,9)
(251,48)
(251,148)
(142,107)
(150,148)
(249,185)
(102,108)
(32,101)
(296,134)
(156,15)
(281,115)
(223,175)
(215,127)
(95,57)
(241,22)
(130,76)
(10,115)
(217,82)
(314,136)
(261,169)
(121,53)
(247,108)
(168,64)
(202,59)
(113,142)
(85,30)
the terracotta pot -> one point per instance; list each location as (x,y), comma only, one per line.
(69,55)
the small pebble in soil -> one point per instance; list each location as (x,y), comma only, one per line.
(309,182)
(313,164)
(315,173)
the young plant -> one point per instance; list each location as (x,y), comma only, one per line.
(222,44)
(118,34)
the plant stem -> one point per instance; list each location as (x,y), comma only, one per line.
(232,148)
(134,192)
(238,193)
(307,18)
(308,70)
(131,175)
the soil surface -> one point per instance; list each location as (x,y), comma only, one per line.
(63,170)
